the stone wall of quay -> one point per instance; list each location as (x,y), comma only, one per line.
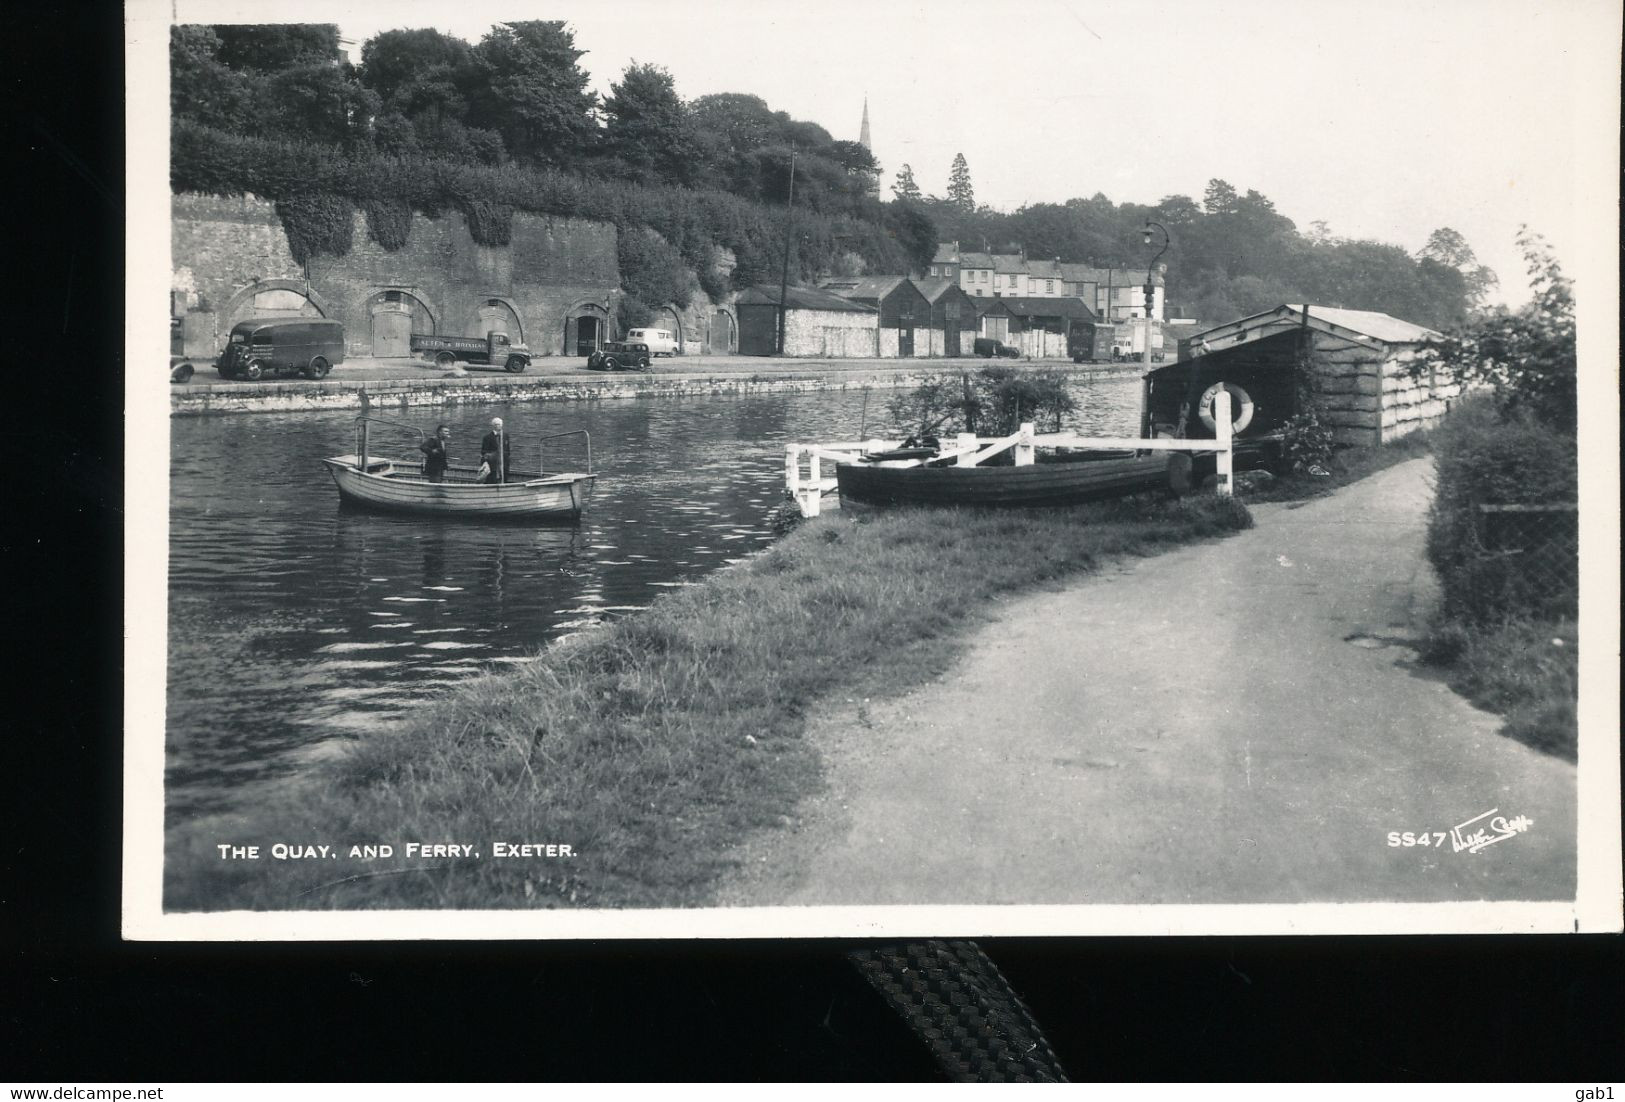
(206,399)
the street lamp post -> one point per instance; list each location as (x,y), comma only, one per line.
(1151,286)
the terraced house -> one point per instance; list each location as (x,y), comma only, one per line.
(1113,294)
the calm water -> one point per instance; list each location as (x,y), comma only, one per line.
(293,624)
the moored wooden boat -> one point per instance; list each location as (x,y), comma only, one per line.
(397,486)
(1034,485)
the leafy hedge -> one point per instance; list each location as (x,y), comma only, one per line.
(1484,458)
(315,187)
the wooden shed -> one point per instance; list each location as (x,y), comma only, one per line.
(817,323)
(953,316)
(903,311)
(1360,362)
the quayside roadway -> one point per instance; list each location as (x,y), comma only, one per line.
(1240,721)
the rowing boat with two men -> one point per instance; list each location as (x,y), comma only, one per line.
(506,485)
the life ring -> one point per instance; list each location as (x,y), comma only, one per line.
(1243,415)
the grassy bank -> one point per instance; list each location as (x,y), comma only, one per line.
(653,745)
(1527,670)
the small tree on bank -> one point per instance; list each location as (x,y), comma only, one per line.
(1527,356)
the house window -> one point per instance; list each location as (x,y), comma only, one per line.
(1049,285)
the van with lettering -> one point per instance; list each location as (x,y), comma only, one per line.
(660,341)
(282,346)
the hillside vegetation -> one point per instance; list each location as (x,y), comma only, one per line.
(429,123)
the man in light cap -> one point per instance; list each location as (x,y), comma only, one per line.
(496,450)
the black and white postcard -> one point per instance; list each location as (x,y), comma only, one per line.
(871,469)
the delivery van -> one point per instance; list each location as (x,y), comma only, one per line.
(660,341)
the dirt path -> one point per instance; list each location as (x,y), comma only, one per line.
(1232,722)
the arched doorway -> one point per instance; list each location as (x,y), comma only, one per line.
(667,318)
(396,315)
(495,315)
(586,327)
(724,334)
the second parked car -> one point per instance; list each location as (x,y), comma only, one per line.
(619,356)
(988,347)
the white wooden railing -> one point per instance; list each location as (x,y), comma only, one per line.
(807,489)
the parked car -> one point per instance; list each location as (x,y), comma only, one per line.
(494,348)
(620,356)
(280,346)
(180,369)
(988,347)
(660,341)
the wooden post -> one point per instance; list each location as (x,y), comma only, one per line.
(966,443)
(1024,450)
(792,471)
(1145,406)
(1222,434)
(361,456)
(815,474)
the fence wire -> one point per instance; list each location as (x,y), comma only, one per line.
(1526,560)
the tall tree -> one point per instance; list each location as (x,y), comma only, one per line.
(960,192)
(270,47)
(1448,247)
(205,90)
(1219,198)
(905,188)
(417,71)
(649,129)
(535,91)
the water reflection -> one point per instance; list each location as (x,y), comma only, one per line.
(293,623)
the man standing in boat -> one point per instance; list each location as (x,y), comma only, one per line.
(434,454)
(496,452)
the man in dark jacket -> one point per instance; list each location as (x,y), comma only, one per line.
(496,451)
(434,454)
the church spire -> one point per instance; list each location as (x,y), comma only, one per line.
(863,134)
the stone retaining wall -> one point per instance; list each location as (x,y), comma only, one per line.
(297,396)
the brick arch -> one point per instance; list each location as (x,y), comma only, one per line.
(430,307)
(513,311)
(391,328)
(260,286)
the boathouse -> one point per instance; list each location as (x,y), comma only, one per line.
(817,323)
(1359,362)
(904,312)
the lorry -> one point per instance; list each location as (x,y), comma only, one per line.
(493,348)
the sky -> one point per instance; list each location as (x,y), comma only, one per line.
(1384,119)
